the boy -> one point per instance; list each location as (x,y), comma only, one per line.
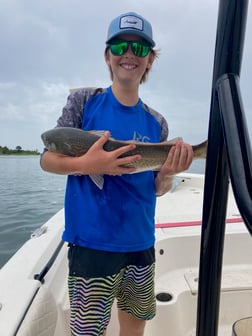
(110,231)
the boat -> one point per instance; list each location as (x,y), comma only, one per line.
(203,231)
(33,283)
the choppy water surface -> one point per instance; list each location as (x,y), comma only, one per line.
(28,198)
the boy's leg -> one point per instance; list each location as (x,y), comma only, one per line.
(90,304)
(136,299)
(94,277)
(130,325)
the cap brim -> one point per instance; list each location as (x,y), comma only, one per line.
(133,32)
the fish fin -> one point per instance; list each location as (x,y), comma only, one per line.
(98,180)
(173,141)
(100,133)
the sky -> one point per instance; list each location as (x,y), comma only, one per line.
(50,46)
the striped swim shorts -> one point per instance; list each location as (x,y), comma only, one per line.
(96,278)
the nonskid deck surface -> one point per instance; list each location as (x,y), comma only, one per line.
(183,205)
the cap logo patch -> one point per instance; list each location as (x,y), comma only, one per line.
(131,21)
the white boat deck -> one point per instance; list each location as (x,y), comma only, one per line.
(177,252)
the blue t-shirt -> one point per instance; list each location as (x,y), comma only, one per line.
(120,216)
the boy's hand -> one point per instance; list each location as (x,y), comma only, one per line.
(99,161)
(179,159)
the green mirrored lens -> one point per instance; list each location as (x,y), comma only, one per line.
(119,48)
(139,49)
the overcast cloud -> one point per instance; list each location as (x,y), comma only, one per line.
(49,46)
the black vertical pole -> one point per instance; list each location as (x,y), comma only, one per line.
(228,55)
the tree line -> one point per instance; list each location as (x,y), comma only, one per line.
(17,151)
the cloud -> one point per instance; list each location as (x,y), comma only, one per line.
(48,47)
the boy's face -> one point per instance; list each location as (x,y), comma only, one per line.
(128,68)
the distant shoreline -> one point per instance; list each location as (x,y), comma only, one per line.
(18,151)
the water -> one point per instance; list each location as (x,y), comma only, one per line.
(29,197)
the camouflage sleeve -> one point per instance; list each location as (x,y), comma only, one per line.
(164,128)
(72,113)
(162,122)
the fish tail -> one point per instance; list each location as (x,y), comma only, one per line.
(200,150)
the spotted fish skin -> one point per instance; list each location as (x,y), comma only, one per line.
(76,142)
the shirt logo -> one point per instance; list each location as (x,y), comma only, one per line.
(140,138)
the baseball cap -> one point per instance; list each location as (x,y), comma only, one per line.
(130,23)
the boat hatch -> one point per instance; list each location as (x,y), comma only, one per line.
(232,280)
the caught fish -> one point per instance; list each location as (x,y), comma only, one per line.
(76,142)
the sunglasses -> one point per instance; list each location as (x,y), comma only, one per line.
(139,48)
